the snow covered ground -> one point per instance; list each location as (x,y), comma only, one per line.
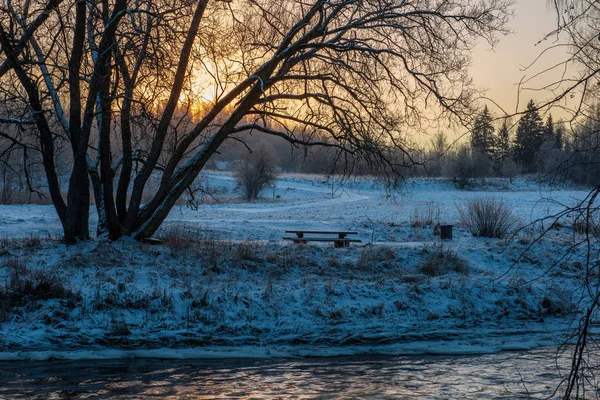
(225,282)
(306,202)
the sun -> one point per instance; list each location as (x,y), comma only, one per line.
(209,80)
(201,93)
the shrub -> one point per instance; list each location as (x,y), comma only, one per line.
(257,171)
(441,261)
(487,217)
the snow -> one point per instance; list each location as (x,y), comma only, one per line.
(306,202)
(226,285)
(515,343)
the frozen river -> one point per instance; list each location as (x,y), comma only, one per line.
(505,375)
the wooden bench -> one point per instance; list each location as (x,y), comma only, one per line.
(340,241)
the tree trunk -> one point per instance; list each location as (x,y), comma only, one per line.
(162,130)
(101,229)
(78,204)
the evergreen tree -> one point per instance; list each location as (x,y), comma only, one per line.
(502,149)
(529,138)
(549,129)
(559,137)
(482,137)
(550,157)
(585,148)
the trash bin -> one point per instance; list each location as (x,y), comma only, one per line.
(446,232)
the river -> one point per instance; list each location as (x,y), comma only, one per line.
(505,375)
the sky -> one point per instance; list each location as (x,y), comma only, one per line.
(501,69)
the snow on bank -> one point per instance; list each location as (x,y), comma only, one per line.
(278,300)
(510,343)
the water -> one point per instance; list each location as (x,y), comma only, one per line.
(506,375)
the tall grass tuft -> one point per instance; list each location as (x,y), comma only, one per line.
(441,261)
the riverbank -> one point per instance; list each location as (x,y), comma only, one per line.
(274,299)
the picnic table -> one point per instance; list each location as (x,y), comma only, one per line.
(339,238)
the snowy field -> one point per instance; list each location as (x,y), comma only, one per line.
(306,202)
(225,283)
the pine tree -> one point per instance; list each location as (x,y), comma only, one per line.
(529,138)
(502,149)
(549,129)
(482,137)
(555,133)
(559,137)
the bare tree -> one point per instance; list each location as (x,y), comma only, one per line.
(578,23)
(436,152)
(101,75)
(257,171)
(465,165)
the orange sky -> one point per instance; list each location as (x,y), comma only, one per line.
(501,69)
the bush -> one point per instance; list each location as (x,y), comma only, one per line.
(257,171)
(487,217)
(441,261)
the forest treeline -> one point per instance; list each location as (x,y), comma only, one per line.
(531,144)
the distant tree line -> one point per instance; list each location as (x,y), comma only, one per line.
(531,146)
(496,147)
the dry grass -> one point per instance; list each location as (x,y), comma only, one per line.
(25,287)
(180,238)
(441,260)
(247,251)
(44,199)
(372,255)
(239,300)
(425,215)
(556,303)
(583,226)
(32,242)
(28,198)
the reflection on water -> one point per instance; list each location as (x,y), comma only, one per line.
(506,375)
